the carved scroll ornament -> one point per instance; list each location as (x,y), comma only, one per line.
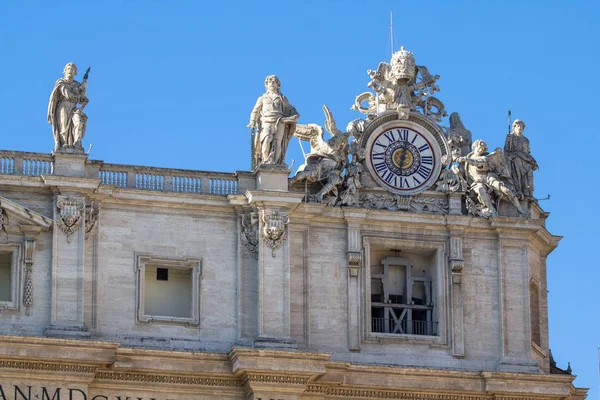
(249,233)
(91,219)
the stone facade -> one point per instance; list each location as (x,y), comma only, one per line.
(290,323)
(424,278)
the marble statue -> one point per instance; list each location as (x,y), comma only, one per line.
(488,178)
(459,137)
(275,120)
(68,121)
(401,86)
(460,141)
(326,159)
(520,162)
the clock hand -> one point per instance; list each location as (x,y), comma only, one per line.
(403,156)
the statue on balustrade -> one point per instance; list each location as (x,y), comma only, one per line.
(520,162)
(68,121)
(274,119)
(488,179)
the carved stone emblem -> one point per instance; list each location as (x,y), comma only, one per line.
(91,219)
(249,234)
(274,229)
(69,214)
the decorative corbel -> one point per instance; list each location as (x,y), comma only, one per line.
(29,250)
(1,218)
(354,258)
(69,214)
(249,233)
(456,257)
(274,231)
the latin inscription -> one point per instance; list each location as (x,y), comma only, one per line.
(26,392)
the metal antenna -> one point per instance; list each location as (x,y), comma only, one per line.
(391,34)
(509,121)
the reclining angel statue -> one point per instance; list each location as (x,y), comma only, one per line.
(326,159)
(489,180)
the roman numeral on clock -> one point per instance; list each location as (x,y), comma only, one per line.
(390,178)
(403,134)
(427,160)
(424,171)
(380,167)
(390,136)
(423,148)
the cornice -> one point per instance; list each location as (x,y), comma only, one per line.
(252,378)
(48,367)
(21,180)
(265,198)
(238,352)
(139,377)
(140,196)
(109,364)
(70,182)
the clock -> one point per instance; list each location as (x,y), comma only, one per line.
(403,157)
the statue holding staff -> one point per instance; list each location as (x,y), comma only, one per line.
(68,121)
(520,161)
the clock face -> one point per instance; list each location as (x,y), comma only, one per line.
(402,159)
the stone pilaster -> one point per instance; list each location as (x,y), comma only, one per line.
(456,263)
(513,267)
(274,204)
(68,267)
(353,219)
(274,278)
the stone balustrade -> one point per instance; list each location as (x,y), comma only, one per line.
(24,163)
(133,177)
(170,180)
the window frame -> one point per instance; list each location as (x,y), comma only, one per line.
(147,260)
(14,303)
(440,289)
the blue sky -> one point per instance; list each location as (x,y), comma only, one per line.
(172,85)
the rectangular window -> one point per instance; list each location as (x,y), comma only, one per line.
(6,279)
(9,276)
(168,292)
(402,300)
(168,289)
